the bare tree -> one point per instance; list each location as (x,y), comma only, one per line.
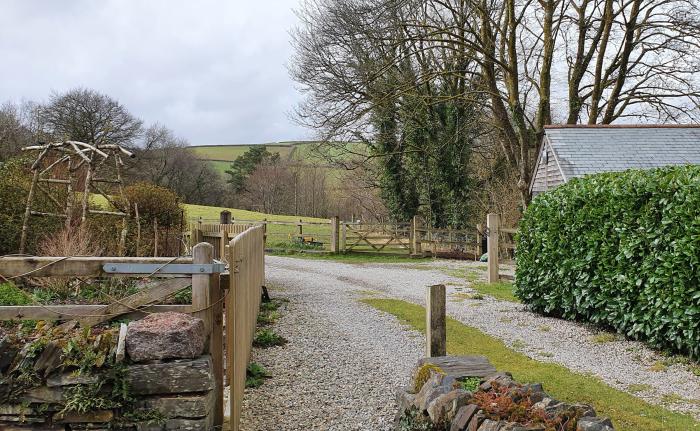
(15,129)
(166,160)
(89,116)
(535,62)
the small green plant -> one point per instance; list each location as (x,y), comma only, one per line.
(544,328)
(12,295)
(413,420)
(268,338)
(183,297)
(470,384)
(603,337)
(256,375)
(658,367)
(265,319)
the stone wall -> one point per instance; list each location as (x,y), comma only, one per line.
(467,394)
(111,378)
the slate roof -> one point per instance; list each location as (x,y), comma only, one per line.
(583,150)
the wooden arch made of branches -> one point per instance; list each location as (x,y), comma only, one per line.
(73,166)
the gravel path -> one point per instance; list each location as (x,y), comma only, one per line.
(342,365)
(344,358)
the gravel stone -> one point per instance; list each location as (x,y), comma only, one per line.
(342,366)
(324,291)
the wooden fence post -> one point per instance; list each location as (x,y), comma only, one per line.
(335,234)
(415,227)
(207,305)
(479,250)
(225,217)
(435,323)
(493,222)
(300,230)
(343,235)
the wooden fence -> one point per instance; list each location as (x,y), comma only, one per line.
(246,255)
(336,236)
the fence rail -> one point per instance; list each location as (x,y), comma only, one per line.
(246,255)
(336,236)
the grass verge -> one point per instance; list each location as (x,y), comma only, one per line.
(626,411)
(502,290)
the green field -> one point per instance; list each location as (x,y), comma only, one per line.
(279,235)
(232,152)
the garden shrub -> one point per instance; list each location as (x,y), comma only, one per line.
(155,203)
(621,250)
(15,181)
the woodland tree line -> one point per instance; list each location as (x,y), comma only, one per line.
(259,180)
(450,97)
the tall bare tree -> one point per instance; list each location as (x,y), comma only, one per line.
(89,116)
(535,61)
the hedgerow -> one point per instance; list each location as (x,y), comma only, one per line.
(621,250)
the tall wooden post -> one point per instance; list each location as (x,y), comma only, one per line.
(435,321)
(478,250)
(343,235)
(416,226)
(206,305)
(300,230)
(493,222)
(335,234)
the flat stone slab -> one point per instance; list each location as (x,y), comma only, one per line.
(461,366)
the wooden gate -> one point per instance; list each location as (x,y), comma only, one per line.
(246,257)
(376,237)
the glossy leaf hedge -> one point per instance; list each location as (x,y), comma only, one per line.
(621,250)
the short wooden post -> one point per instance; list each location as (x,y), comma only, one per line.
(343,235)
(225,217)
(493,222)
(206,305)
(222,245)
(300,230)
(478,250)
(416,228)
(155,237)
(335,234)
(435,322)
(138,230)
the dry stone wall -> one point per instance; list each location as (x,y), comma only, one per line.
(467,394)
(64,378)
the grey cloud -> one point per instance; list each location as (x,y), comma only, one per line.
(213,71)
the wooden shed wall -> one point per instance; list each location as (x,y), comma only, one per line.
(548,174)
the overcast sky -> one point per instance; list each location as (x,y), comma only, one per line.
(212,71)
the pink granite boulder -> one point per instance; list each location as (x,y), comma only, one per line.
(165,336)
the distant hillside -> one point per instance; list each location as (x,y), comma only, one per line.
(221,156)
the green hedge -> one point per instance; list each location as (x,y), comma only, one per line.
(621,250)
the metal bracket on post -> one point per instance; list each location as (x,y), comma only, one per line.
(160,269)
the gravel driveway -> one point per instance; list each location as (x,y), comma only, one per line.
(345,359)
(342,365)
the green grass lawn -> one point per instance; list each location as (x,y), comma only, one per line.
(627,412)
(502,290)
(232,152)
